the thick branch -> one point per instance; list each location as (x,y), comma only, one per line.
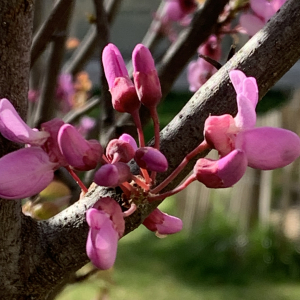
(15,32)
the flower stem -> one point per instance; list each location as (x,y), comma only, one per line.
(203,146)
(138,124)
(77,179)
(174,191)
(140,182)
(155,119)
(130,210)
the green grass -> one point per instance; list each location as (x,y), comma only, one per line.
(204,265)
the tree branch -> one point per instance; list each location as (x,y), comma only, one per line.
(15,32)
(45,33)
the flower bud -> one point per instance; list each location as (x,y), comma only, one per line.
(118,150)
(81,154)
(124,97)
(129,139)
(151,159)
(145,76)
(162,223)
(112,175)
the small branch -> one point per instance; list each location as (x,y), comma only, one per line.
(45,33)
(75,114)
(86,48)
(46,106)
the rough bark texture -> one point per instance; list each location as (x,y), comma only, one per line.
(33,261)
(15,35)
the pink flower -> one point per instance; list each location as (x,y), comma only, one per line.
(263,10)
(33,167)
(199,71)
(119,150)
(265,148)
(112,175)
(123,93)
(106,227)
(15,129)
(151,159)
(86,124)
(221,173)
(65,92)
(162,223)
(81,154)
(25,172)
(129,139)
(145,76)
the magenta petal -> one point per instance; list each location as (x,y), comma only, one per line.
(268,148)
(95,218)
(129,139)
(220,132)
(142,59)
(246,116)
(237,77)
(101,246)
(251,23)
(162,223)
(25,172)
(113,63)
(112,175)
(15,129)
(151,159)
(221,173)
(250,90)
(107,175)
(83,155)
(119,150)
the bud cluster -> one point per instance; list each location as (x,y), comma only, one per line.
(28,171)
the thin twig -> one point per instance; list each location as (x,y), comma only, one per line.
(46,105)
(86,48)
(45,33)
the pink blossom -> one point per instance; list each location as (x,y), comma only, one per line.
(81,154)
(263,10)
(221,173)
(145,76)
(25,172)
(265,148)
(129,139)
(112,175)
(199,71)
(86,124)
(151,159)
(65,92)
(15,129)
(106,226)
(123,93)
(119,150)
(162,223)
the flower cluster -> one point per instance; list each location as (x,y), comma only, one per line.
(28,171)
(252,18)
(261,11)
(199,71)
